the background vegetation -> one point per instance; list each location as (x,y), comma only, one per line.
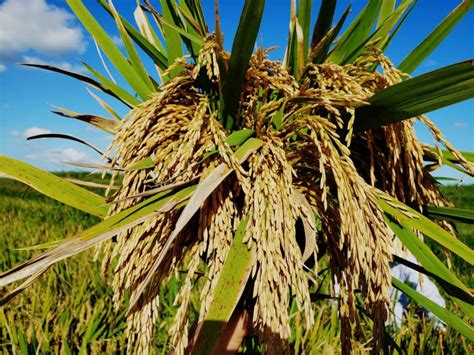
(70,309)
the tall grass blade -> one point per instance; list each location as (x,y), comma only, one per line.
(134,58)
(53,186)
(321,49)
(110,49)
(452,285)
(412,97)
(227,292)
(115,90)
(442,313)
(357,33)
(411,218)
(430,43)
(324,21)
(155,52)
(451,214)
(242,49)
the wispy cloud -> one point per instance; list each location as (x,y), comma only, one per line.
(32,131)
(118,41)
(460,124)
(431,63)
(35,25)
(59,64)
(58,155)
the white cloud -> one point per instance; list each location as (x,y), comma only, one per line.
(35,25)
(33,131)
(460,124)
(59,64)
(58,155)
(118,41)
(431,63)
(2,68)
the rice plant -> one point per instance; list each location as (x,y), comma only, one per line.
(243,173)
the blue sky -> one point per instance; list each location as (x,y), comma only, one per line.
(45,31)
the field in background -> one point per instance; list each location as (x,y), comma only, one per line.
(70,308)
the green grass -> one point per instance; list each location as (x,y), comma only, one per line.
(70,308)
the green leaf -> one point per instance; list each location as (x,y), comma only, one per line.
(428,156)
(434,266)
(430,43)
(113,89)
(357,32)
(304,19)
(386,9)
(172,37)
(110,49)
(53,186)
(294,56)
(145,163)
(324,21)
(442,313)
(230,285)
(242,49)
(321,49)
(390,18)
(409,217)
(146,30)
(192,29)
(94,235)
(469,156)
(134,58)
(451,213)
(412,97)
(155,52)
(195,9)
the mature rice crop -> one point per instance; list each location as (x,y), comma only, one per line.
(71,307)
(247,176)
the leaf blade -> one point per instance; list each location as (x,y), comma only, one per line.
(53,186)
(429,44)
(412,97)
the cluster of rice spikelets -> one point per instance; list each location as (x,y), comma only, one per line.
(313,168)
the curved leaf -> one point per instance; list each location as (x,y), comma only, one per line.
(71,138)
(242,49)
(450,283)
(451,213)
(110,49)
(442,313)
(409,217)
(324,21)
(357,33)
(104,124)
(412,97)
(429,44)
(104,230)
(227,292)
(53,186)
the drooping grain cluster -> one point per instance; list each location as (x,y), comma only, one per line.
(312,170)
